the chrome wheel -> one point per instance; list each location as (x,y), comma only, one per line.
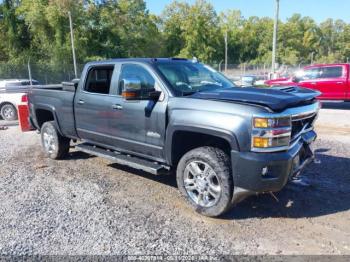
(49,140)
(202,184)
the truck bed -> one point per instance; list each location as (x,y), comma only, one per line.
(58,99)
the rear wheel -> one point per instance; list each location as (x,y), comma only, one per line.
(55,146)
(9,112)
(204,179)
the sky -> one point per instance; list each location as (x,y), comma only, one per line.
(319,10)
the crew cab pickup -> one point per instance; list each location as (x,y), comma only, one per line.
(162,115)
(332,80)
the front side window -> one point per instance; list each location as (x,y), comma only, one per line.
(331,72)
(309,74)
(99,80)
(133,71)
(187,77)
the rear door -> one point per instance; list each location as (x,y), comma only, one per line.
(94,104)
(331,81)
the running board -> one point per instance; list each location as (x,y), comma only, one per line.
(122,159)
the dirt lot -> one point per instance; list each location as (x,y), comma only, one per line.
(85,205)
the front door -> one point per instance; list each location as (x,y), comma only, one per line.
(140,126)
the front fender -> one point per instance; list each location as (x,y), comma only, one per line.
(230,137)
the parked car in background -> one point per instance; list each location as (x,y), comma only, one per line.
(11,93)
(250,80)
(223,142)
(332,80)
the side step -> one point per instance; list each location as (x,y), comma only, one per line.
(126,160)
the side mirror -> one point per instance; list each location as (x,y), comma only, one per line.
(295,79)
(75,81)
(131,88)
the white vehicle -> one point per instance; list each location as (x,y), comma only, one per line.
(11,92)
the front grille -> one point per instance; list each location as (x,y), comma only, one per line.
(300,123)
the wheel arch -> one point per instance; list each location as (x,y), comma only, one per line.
(45,113)
(182,139)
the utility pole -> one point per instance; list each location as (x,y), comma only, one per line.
(72,41)
(226,51)
(312,58)
(274,41)
(30,73)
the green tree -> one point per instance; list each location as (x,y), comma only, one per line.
(192,30)
(231,22)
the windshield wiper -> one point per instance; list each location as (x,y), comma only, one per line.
(188,93)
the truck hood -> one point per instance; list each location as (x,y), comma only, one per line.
(276,98)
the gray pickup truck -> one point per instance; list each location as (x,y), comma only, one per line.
(164,115)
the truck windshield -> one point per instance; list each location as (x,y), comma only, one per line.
(187,78)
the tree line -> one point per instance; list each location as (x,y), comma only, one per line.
(38,30)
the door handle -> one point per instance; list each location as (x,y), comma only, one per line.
(313,83)
(339,83)
(81,102)
(117,107)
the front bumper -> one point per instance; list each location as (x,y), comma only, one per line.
(269,172)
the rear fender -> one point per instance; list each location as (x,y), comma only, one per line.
(50,109)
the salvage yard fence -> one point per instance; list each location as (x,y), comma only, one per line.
(44,73)
(57,73)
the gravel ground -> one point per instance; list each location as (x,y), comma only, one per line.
(86,206)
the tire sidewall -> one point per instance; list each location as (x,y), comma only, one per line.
(51,126)
(222,169)
(14,117)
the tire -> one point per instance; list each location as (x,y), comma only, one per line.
(207,175)
(9,112)
(55,146)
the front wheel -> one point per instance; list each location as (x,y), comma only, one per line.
(55,146)
(204,179)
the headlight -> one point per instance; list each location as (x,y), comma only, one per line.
(271,134)
(260,122)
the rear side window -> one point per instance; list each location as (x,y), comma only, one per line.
(138,72)
(331,72)
(99,80)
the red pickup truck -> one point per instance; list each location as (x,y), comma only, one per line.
(332,80)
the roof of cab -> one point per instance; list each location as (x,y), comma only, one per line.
(140,60)
(326,65)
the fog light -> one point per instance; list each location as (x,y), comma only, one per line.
(261,142)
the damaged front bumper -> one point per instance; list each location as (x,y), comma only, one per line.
(269,172)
